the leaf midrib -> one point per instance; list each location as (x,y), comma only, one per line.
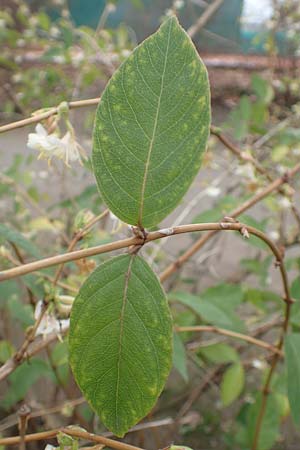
(127,277)
(140,217)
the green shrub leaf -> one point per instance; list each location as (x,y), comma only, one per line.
(232,383)
(213,312)
(151,127)
(121,341)
(292,352)
(179,357)
(219,353)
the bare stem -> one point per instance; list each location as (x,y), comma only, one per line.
(10,365)
(71,431)
(37,117)
(233,334)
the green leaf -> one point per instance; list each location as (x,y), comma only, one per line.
(213,310)
(295,293)
(295,288)
(292,352)
(121,341)
(8,234)
(261,298)
(232,383)
(179,357)
(224,295)
(219,353)
(151,127)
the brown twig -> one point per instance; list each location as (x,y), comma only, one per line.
(134,241)
(67,257)
(39,116)
(17,263)
(215,371)
(71,431)
(233,334)
(226,226)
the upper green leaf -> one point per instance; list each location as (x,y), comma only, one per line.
(121,341)
(151,127)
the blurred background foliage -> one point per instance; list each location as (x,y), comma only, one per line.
(54,51)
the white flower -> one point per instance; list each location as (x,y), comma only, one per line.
(46,144)
(71,150)
(49,145)
(49,322)
(213,191)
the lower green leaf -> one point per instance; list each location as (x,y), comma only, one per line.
(121,341)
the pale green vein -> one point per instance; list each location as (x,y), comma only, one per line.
(127,277)
(154,133)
